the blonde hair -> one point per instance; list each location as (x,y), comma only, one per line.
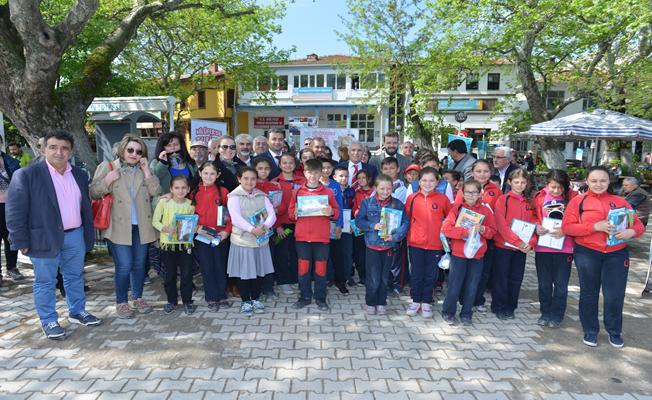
(128,138)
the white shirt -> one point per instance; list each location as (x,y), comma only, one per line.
(275,156)
(352,169)
(501,173)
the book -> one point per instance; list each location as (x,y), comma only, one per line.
(275,197)
(548,240)
(183,228)
(467,218)
(258,219)
(222,214)
(208,236)
(444,242)
(354,229)
(333,227)
(346,217)
(390,220)
(311,206)
(523,229)
(621,219)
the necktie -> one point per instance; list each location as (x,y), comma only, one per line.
(354,180)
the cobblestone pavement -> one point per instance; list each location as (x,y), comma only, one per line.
(284,354)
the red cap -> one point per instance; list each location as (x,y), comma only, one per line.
(411,167)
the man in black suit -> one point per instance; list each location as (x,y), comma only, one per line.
(275,140)
(50,220)
(390,147)
(355,164)
(502,163)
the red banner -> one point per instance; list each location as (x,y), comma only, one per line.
(269,122)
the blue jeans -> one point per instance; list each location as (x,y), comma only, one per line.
(608,270)
(71,262)
(379,263)
(553,273)
(129,263)
(424,265)
(507,277)
(463,278)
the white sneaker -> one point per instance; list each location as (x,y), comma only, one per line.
(413,309)
(286,289)
(426,310)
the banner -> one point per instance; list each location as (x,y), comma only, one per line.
(269,122)
(204,131)
(332,136)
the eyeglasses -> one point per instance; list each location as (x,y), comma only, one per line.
(228,147)
(131,150)
(471,194)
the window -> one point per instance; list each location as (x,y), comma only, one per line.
(296,81)
(365,124)
(368,81)
(355,82)
(493,81)
(554,98)
(264,84)
(588,103)
(201,99)
(282,82)
(230,98)
(472,81)
(320,80)
(330,80)
(381,79)
(341,82)
(304,81)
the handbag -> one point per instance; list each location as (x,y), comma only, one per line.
(102,209)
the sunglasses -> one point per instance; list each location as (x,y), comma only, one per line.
(228,147)
(131,150)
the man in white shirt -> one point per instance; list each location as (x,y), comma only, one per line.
(503,165)
(244,143)
(260,145)
(355,164)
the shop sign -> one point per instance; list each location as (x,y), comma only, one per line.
(269,122)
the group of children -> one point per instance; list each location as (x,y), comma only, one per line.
(290,246)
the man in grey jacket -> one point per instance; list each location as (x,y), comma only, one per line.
(390,147)
(462,161)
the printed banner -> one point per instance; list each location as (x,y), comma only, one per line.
(204,131)
(332,136)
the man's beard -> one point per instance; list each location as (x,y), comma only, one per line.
(392,152)
(245,153)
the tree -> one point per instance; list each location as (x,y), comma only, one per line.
(57,55)
(591,47)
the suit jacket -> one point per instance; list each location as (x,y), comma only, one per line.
(367,167)
(402,162)
(275,171)
(32,211)
(506,188)
(640,202)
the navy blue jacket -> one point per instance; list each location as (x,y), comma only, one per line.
(11,164)
(275,171)
(32,211)
(369,215)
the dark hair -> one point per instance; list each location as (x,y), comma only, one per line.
(387,161)
(370,178)
(390,134)
(522,173)
(477,162)
(429,170)
(313,165)
(602,168)
(304,150)
(275,130)
(457,145)
(326,160)
(330,152)
(60,135)
(456,174)
(259,160)
(472,182)
(340,169)
(383,178)
(13,144)
(196,184)
(561,177)
(179,178)
(167,138)
(426,158)
(289,155)
(241,171)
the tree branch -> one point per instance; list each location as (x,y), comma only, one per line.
(560,107)
(72,25)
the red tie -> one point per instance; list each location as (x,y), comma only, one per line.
(354,181)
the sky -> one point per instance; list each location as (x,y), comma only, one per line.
(310,26)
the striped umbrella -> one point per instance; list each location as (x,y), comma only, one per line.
(598,124)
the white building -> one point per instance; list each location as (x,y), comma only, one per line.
(313,92)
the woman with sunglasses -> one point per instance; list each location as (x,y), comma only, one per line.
(227,163)
(132,184)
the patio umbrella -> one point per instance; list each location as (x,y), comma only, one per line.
(599,124)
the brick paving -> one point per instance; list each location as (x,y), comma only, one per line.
(309,355)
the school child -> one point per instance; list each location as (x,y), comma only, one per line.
(209,199)
(313,238)
(379,249)
(598,263)
(175,257)
(426,209)
(454,179)
(342,254)
(465,273)
(411,173)
(509,262)
(336,231)
(389,166)
(365,190)
(481,172)
(553,265)
(442,187)
(250,259)
(263,167)
(284,252)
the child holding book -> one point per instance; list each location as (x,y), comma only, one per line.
(274,192)
(426,209)
(175,256)
(600,264)
(380,249)
(284,252)
(365,189)
(553,264)
(313,236)
(511,249)
(252,216)
(343,247)
(210,201)
(390,167)
(327,168)
(465,272)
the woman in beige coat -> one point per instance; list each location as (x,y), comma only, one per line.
(133,185)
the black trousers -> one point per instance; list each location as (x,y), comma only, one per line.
(173,261)
(250,288)
(10,255)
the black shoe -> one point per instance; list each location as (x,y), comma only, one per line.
(329,283)
(502,316)
(322,305)
(343,289)
(169,307)
(189,308)
(84,318)
(214,306)
(351,283)
(301,303)
(225,303)
(15,275)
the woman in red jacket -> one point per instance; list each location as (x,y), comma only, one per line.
(511,250)
(598,263)
(465,273)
